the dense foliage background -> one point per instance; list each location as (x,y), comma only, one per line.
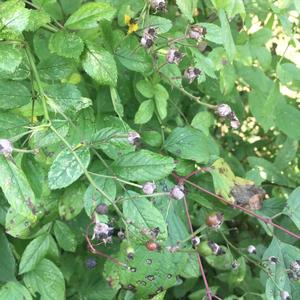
(117,152)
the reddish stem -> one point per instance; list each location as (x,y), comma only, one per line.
(208,291)
(249,212)
(195,172)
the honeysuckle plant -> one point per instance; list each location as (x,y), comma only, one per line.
(149,149)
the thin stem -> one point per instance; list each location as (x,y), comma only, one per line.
(38,81)
(203,227)
(247,211)
(208,291)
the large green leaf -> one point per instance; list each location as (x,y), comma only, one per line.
(10,58)
(16,188)
(66,44)
(190,143)
(7,260)
(66,168)
(35,251)
(47,280)
(14,290)
(101,66)
(89,14)
(12,124)
(13,94)
(144,217)
(143,165)
(65,236)
(293,207)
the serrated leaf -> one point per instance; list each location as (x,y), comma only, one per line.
(143,216)
(66,44)
(12,124)
(293,207)
(35,251)
(143,165)
(10,58)
(16,188)
(37,19)
(190,143)
(7,260)
(88,16)
(47,280)
(65,236)
(66,169)
(14,290)
(92,197)
(101,66)
(145,112)
(13,94)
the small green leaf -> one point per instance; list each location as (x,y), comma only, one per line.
(88,16)
(14,290)
(187,8)
(47,280)
(145,88)
(92,197)
(190,143)
(66,44)
(65,236)
(116,101)
(214,33)
(35,251)
(143,165)
(7,260)
(203,120)
(162,25)
(161,96)
(16,188)
(10,58)
(66,169)
(13,94)
(145,112)
(101,66)
(293,207)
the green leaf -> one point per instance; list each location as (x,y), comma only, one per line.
(12,124)
(286,154)
(47,280)
(88,16)
(14,15)
(203,120)
(162,25)
(101,66)
(66,44)
(227,79)
(145,112)
(116,101)
(66,168)
(214,32)
(14,290)
(7,260)
(287,119)
(227,36)
(190,143)
(161,96)
(288,73)
(13,94)
(92,197)
(65,236)
(34,252)
(64,96)
(71,202)
(293,207)
(144,217)
(16,188)
(10,58)
(221,262)
(37,19)
(145,88)
(143,165)
(187,8)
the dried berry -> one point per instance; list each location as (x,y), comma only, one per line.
(91,263)
(197,32)
(284,295)
(172,249)
(215,220)
(195,241)
(273,259)
(6,147)
(154,232)
(102,232)
(177,192)
(215,248)
(148,37)
(149,188)
(152,246)
(223,110)
(158,5)
(102,209)
(133,138)
(235,264)
(121,235)
(251,249)
(174,56)
(191,73)
(295,266)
